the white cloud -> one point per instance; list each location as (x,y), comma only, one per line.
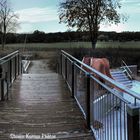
(36,15)
(25,27)
(118,28)
(130,1)
(130,7)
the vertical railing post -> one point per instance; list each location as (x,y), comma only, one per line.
(66,68)
(60,64)
(88,100)
(18,64)
(1,71)
(2,83)
(7,85)
(2,90)
(10,71)
(73,79)
(15,67)
(133,122)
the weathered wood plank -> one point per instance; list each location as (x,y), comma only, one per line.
(41,104)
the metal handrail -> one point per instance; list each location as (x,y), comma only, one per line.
(104,77)
(126,69)
(9,55)
(126,66)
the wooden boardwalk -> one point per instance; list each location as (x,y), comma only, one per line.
(40,106)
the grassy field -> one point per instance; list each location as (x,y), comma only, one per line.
(114,51)
(39,46)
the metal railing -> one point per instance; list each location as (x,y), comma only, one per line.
(126,69)
(107,112)
(10,67)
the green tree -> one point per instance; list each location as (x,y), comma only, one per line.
(8,20)
(87,15)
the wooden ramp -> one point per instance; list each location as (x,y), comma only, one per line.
(40,106)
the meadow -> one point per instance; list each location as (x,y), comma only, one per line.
(65,45)
(114,51)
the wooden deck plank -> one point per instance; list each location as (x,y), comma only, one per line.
(41,104)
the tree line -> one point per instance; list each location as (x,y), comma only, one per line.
(83,15)
(73,36)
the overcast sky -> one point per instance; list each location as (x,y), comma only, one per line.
(43,15)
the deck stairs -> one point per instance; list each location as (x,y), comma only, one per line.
(121,77)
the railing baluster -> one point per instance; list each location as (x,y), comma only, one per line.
(88,100)
(15,67)
(18,64)
(105,120)
(116,119)
(10,71)
(61,64)
(120,120)
(2,90)
(73,66)
(125,127)
(66,68)
(113,123)
(107,116)
(7,85)
(110,117)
